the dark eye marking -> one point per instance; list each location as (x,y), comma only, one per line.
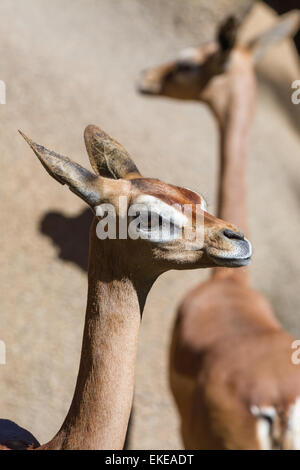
(149,220)
(186,67)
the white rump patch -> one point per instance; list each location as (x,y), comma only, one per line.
(263,425)
(270,432)
(203,204)
(293,426)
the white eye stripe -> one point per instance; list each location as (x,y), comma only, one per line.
(189,53)
(203,204)
(153,204)
(166,221)
(157,229)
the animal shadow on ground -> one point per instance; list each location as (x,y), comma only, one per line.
(71,236)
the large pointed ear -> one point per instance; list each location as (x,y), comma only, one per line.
(287,26)
(108,157)
(82,182)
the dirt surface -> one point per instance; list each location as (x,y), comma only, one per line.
(70,63)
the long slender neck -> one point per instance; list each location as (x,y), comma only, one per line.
(234,123)
(99,413)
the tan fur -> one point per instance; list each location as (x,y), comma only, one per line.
(121,273)
(229,355)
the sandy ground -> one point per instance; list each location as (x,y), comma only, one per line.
(74,62)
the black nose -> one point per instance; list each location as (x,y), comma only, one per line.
(233,235)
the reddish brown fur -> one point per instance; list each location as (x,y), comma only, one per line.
(228,354)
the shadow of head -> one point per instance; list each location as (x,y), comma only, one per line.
(70,235)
